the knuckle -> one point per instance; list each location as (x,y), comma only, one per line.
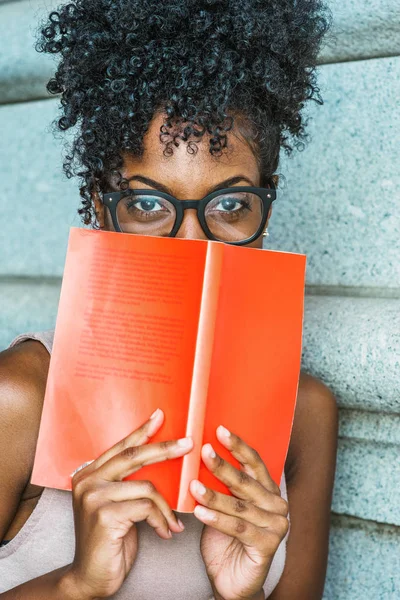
(218,462)
(167,449)
(148,488)
(166,445)
(281,525)
(103,516)
(276,489)
(282,506)
(89,498)
(255,457)
(148,504)
(240,506)
(240,526)
(78,486)
(243,478)
(130,452)
(211,497)
(124,443)
(273,541)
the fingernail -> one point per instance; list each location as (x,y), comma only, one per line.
(203,512)
(169,533)
(185,442)
(224,431)
(209,450)
(155,413)
(181,525)
(199,488)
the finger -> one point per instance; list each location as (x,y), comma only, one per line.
(264,540)
(134,458)
(136,438)
(248,457)
(131,490)
(117,517)
(262,516)
(239,482)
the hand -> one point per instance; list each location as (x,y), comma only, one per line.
(242,531)
(107,508)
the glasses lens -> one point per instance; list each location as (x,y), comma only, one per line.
(235,216)
(145,215)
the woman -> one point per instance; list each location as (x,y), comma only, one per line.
(182,97)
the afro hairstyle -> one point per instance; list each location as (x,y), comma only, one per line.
(203,64)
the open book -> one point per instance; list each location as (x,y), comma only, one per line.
(208,332)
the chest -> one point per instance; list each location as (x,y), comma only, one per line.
(165,569)
(45,541)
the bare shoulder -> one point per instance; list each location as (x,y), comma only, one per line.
(315,425)
(23,375)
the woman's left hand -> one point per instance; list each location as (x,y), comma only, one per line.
(242,531)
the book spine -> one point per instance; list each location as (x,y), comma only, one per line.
(201,372)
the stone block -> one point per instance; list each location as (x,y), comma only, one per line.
(340,204)
(38,203)
(362,29)
(352,344)
(364,561)
(23,71)
(27,306)
(367,480)
(369,426)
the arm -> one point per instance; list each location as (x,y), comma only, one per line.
(310,471)
(23,372)
(106,508)
(57,585)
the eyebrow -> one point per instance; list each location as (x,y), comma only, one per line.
(163,188)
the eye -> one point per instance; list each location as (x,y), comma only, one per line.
(145,205)
(229,204)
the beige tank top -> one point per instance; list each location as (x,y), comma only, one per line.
(164,569)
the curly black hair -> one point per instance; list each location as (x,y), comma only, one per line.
(204,64)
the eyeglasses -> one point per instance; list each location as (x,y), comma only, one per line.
(235,215)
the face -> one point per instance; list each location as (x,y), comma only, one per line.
(187,176)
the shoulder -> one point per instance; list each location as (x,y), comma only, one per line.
(23,375)
(315,425)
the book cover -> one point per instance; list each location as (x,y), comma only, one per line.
(208,332)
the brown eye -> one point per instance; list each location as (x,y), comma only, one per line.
(144,214)
(234,216)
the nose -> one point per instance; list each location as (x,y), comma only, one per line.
(190,227)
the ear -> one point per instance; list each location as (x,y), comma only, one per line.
(98,208)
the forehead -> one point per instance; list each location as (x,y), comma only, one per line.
(185,171)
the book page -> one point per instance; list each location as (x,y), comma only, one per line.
(256,356)
(124,346)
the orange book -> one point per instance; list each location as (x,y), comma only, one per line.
(208,332)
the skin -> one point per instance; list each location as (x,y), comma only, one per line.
(242,531)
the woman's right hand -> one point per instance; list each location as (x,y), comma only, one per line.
(107,508)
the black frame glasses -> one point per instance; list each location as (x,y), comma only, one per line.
(267,196)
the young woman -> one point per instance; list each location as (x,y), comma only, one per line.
(183,97)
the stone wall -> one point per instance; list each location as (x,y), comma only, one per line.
(339,204)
